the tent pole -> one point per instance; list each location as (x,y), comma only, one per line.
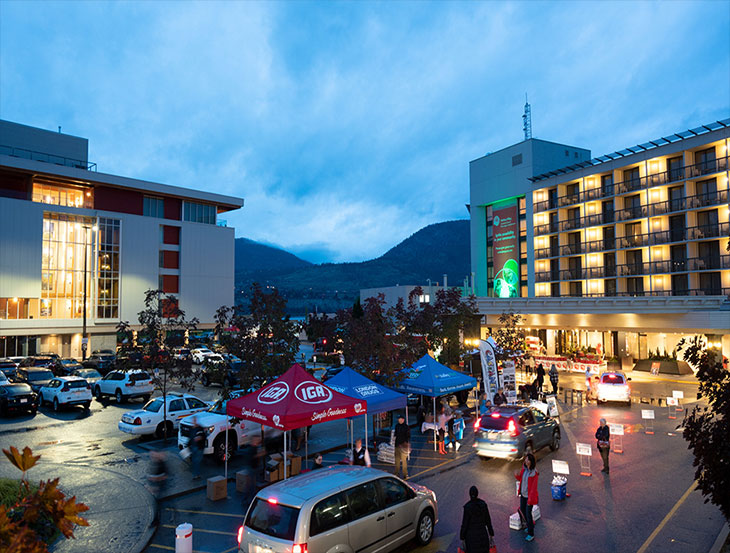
(435,424)
(225,456)
(306,446)
(284,454)
(367,438)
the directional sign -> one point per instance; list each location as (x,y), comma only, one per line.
(647,414)
(616,429)
(583,449)
(561,467)
(678,394)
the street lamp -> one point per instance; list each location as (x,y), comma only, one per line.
(83,331)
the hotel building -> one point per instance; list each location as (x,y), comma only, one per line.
(71,236)
(627,251)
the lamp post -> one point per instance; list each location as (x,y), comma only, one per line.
(83,330)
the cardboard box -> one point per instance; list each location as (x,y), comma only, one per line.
(273,472)
(217,488)
(243,479)
(293,464)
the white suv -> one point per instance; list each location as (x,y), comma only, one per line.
(66,390)
(200,354)
(214,422)
(613,386)
(124,385)
(149,419)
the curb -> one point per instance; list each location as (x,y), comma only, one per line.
(721,539)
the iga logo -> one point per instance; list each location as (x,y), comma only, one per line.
(312,392)
(274,393)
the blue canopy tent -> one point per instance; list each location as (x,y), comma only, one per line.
(428,377)
(379,398)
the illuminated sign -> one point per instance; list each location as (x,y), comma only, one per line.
(506,251)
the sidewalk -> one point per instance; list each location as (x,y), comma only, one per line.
(120,509)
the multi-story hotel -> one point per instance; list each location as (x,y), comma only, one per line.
(72,237)
(627,251)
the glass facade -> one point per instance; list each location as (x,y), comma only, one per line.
(199,213)
(108,266)
(47,192)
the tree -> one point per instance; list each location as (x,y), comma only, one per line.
(510,337)
(163,327)
(38,515)
(454,317)
(320,326)
(707,427)
(260,334)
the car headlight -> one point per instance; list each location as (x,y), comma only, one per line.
(210,429)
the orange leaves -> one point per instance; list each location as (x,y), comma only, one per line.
(23,461)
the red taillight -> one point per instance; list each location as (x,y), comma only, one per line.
(240,534)
(512,428)
(299,548)
(130,383)
(272,500)
(137,421)
(477,423)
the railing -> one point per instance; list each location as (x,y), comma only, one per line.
(547,228)
(711,262)
(703,232)
(581,222)
(645,293)
(47,158)
(632,185)
(636,212)
(708,199)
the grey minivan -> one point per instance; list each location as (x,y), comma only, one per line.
(339,509)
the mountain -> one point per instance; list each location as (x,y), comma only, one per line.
(435,250)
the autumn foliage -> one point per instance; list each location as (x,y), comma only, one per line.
(37,516)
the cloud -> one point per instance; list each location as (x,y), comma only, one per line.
(348,126)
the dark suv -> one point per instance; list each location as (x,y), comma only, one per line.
(101,362)
(508,431)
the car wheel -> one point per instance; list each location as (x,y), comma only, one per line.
(4,410)
(425,527)
(219,448)
(160,431)
(56,406)
(97,393)
(33,411)
(87,406)
(555,442)
(205,380)
(40,400)
(118,396)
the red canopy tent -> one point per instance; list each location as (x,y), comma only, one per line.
(294,400)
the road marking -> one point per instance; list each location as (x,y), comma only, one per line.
(412,476)
(664,521)
(196,529)
(230,550)
(205,513)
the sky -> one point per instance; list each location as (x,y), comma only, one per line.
(348,126)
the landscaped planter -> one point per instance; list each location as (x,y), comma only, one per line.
(665,367)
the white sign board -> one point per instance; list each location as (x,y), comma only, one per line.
(678,394)
(583,449)
(560,467)
(647,413)
(672,401)
(552,406)
(616,429)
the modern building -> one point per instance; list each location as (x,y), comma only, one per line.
(71,237)
(392,294)
(626,252)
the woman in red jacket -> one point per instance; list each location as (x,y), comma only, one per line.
(527,477)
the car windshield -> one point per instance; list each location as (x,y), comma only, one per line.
(136,377)
(219,407)
(88,373)
(612,379)
(153,405)
(68,361)
(272,519)
(36,376)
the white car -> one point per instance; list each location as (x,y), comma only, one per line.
(149,419)
(200,354)
(613,386)
(124,385)
(3,378)
(66,390)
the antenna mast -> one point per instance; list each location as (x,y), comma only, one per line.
(527,120)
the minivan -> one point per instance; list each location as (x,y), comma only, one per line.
(339,508)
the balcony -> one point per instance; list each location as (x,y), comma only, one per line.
(636,212)
(708,199)
(634,269)
(707,263)
(548,228)
(714,230)
(581,222)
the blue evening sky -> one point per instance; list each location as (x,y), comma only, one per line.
(349,126)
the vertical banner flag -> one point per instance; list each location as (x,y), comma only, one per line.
(506,251)
(489,367)
(509,382)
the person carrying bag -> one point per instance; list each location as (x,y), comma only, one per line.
(477,534)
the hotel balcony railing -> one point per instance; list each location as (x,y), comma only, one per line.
(708,199)
(544,253)
(584,247)
(548,228)
(581,222)
(631,213)
(702,232)
(689,172)
(47,158)
(679,293)
(711,262)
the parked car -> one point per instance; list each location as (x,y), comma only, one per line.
(129,360)
(509,430)
(16,397)
(330,372)
(200,354)
(339,508)
(50,354)
(91,376)
(37,361)
(613,386)
(101,362)
(215,421)
(182,355)
(217,370)
(64,391)
(3,379)
(150,419)
(65,366)
(8,368)
(104,352)
(124,385)
(35,377)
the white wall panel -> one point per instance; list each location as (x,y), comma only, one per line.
(21,233)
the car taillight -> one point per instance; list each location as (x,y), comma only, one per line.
(477,423)
(240,534)
(137,422)
(512,428)
(299,548)
(130,383)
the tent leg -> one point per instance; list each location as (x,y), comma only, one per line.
(284,454)
(306,446)
(225,470)
(434,423)
(406,410)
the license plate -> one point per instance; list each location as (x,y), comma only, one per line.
(23,400)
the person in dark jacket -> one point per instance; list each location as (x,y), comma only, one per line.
(317,462)
(500,398)
(476,533)
(603,436)
(553,373)
(540,380)
(402,445)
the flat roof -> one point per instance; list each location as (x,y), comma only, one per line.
(224,203)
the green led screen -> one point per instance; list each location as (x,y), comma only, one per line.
(506,250)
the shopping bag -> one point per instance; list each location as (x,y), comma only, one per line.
(515,521)
(492,546)
(536,513)
(185,453)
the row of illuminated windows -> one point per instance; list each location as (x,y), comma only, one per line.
(66,196)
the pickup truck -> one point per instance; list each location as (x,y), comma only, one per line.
(214,422)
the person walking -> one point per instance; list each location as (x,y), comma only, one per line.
(197,445)
(157,479)
(500,398)
(603,436)
(476,534)
(540,372)
(402,446)
(553,373)
(527,477)
(249,455)
(360,456)
(588,383)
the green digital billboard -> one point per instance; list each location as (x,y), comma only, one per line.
(506,249)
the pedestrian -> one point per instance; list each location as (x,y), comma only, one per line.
(540,372)
(442,421)
(249,455)
(360,456)
(500,398)
(477,534)
(196,445)
(420,415)
(457,426)
(588,383)
(402,446)
(482,404)
(603,435)
(157,479)
(527,477)
(317,462)
(554,378)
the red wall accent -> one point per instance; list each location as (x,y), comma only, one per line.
(118,199)
(173,208)
(170,284)
(170,260)
(14,185)
(170,235)
(169,307)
